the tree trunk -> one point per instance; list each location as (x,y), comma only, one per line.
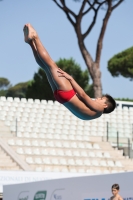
(93,68)
(97,85)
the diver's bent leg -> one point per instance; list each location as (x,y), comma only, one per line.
(61,82)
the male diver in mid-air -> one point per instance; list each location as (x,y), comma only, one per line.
(64,87)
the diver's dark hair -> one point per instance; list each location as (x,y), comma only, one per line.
(111,104)
(115,186)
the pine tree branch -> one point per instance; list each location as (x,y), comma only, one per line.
(82,7)
(91,7)
(116,5)
(65,8)
(102,32)
(67,11)
(94,18)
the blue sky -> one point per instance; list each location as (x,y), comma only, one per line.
(57,34)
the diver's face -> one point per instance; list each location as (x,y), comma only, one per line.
(114,191)
(101,99)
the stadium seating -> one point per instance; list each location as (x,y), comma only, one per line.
(48,137)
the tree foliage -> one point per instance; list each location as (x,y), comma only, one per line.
(4,83)
(122,64)
(39,88)
(3,92)
(18,90)
(124,99)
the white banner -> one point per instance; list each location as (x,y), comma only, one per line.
(95,187)
(13,177)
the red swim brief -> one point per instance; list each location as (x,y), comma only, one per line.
(63,96)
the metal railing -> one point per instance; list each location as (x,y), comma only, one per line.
(120,142)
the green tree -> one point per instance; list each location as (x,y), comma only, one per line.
(76,19)
(18,90)
(122,64)
(4,83)
(39,88)
(3,92)
(4,86)
(124,99)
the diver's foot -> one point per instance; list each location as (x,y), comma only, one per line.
(29,33)
(25,29)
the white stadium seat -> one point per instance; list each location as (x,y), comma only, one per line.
(91,154)
(118,164)
(43,144)
(83,154)
(26,143)
(96,146)
(47,161)
(20,151)
(39,169)
(87,162)
(43,102)
(95,163)
(10,99)
(110,163)
(103,163)
(24,100)
(19,142)
(2,98)
(88,145)
(106,155)
(73,170)
(55,161)
(70,161)
(64,169)
(68,153)
(44,152)
(36,152)
(28,151)
(38,161)
(76,153)
(30,160)
(78,162)
(26,135)
(63,161)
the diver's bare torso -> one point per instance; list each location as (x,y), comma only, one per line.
(80,110)
(118,197)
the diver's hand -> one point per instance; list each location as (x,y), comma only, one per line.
(64,74)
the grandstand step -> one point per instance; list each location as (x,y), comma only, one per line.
(8,168)
(8,164)
(32,150)
(2,156)
(4,130)
(127,162)
(60,168)
(6,160)
(56,140)
(41,156)
(3,153)
(89,138)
